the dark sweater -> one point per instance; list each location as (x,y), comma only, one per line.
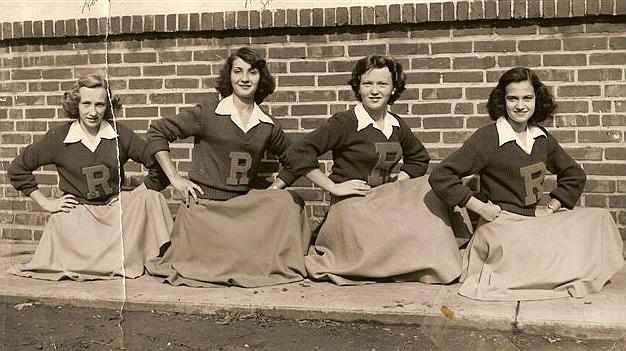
(93,177)
(509,177)
(224,158)
(355,154)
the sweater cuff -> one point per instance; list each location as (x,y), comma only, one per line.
(29,191)
(413,170)
(155,146)
(287,177)
(563,198)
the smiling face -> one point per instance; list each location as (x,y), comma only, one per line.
(375,89)
(92,108)
(244,79)
(520,104)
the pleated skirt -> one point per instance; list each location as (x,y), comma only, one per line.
(569,253)
(253,240)
(400,231)
(102,241)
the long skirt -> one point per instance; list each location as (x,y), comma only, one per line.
(515,257)
(398,232)
(102,241)
(252,240)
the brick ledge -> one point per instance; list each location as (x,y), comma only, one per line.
(445,11)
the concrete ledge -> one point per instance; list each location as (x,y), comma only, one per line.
(598,316)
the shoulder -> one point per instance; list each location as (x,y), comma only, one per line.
(347,117)
(484,136)
(59,132)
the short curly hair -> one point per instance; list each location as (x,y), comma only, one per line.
(378,61)
(71,99)
(266,83)
(544,106)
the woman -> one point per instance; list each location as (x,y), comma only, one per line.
(523,251)
(228,234)
(94,232)
(376,229)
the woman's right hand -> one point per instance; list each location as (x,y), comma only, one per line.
(487,210)
(61,204)
(186,186)
(350,187)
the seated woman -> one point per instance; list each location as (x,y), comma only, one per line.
(523,251)
(95,231)
(228,233)
(376,229)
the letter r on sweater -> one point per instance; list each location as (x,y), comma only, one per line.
(533,182)
(240,164)
(97,175)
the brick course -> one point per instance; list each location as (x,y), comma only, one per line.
(452,51)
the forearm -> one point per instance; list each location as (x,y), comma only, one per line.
(277,184)
(38,197)
(320,179)
(164,159)
(403,175)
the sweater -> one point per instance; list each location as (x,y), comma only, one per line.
(225,159)
(93,177)
(364,154)
(509,177)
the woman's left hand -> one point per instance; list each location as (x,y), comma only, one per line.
(542,211)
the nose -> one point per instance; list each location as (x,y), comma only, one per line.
(92,110)
(375,89)
(245,77)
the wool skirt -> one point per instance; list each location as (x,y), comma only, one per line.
(400,231)
(252,240)
(102,241)
(569,253)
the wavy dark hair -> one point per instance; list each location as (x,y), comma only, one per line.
(544,105)
(378,61)
(266,83)
(71,98)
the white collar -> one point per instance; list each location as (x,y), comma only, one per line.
(76,134)
(364,119)
(506,134)
(227,107)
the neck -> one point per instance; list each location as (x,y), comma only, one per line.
(89,131)
(518,127)
(243,103)
(377,115)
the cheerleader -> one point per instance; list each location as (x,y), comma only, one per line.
(227,233)
(95,231)
(522,251)
(379,227)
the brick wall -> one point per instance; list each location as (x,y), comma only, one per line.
(453,53)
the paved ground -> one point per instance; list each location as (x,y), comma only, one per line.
(601,315)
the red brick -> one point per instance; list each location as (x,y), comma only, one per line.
(408,13)
(455,77)
(615,153)
(29,100)
(325,51)
(601,106)
(601,75)
(133,99)
(430,63)
(31,126)
(408,49)
(617,201)
(423,78)
(283,96)
(615,90)
(292,17)
(576,44)
(329,17)
(380,13)
(604,27)
(476,10)
(466,32)
(145,83)
(540,45)
(38,86)
(310,66)
(306,81)
(364,50)
(614,120)
(494,46)
(464,108)
(242,20)
(617,43)
(287,53)
(608,169)
(395,13)
(435,12)
(564,60)
(579,90)
(585,153)
(317,95)
(309,110)
(442,93)
(504,9)
(452,47)
(175,56)
(607,58)
(184,83)
(599,136)
(193,70)
(473,62)
(159,71)
(139,57)
(431,109)
(448,13)
(330,80)
(26,74)
(564,136)
(168,98)
(456,137)
(563,8)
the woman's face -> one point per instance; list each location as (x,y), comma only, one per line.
(376,88)
(520,104)
(92,108)
(244,79)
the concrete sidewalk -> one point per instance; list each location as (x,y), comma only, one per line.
(600,315)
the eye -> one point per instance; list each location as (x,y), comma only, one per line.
(254,71)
